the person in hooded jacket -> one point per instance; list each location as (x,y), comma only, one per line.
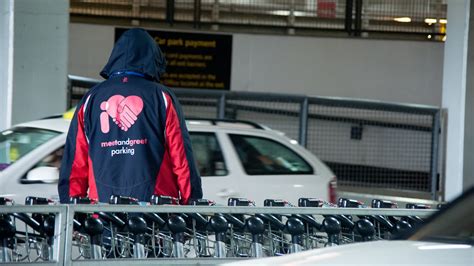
(128,136)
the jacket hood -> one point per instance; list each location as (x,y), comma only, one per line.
(136,51)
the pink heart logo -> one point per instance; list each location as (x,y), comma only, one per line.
(124,111)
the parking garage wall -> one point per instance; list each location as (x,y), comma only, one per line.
(387,70)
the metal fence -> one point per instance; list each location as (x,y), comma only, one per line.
(47,249)
(356,17)
(65,234)
(368,144)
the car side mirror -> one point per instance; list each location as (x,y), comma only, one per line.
(42,175)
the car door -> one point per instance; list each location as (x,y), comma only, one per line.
(215,165)
(14,180)
(274,169)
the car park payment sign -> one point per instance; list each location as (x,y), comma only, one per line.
(194,60)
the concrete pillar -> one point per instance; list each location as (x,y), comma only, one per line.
(458,86)
(34,46)
(469,108)
(6,62)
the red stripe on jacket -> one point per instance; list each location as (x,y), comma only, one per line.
(179,165)
(92,185)
(166,182)
(78,180)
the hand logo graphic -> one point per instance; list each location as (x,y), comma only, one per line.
(124,112)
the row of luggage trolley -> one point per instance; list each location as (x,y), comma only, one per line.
(126,231)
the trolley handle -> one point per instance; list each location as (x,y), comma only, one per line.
(308,219)
(28,221)
(111,218)
(272,220)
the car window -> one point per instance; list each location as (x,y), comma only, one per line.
(17,142)
(208,154)
(50,165)
(262,156)
(454,224)
(53,159)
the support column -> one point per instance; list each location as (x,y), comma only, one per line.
(6,62)
(33,59)
(458,84)
(469,108)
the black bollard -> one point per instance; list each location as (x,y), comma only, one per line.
(219,225)
(94,228)
(7,231)
(332,227)
(48,230)
(137,226)
(366,229)
(177,226)
(256,227)
(402,227)
(296,228)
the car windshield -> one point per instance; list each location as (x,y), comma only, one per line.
(455,224)
(17,142)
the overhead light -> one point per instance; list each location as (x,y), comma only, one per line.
(280,12)
(444,38)
(403,19)
(443,21)
(288,12)
(430,21)
(429,36)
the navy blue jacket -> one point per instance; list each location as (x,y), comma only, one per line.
(128,136)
